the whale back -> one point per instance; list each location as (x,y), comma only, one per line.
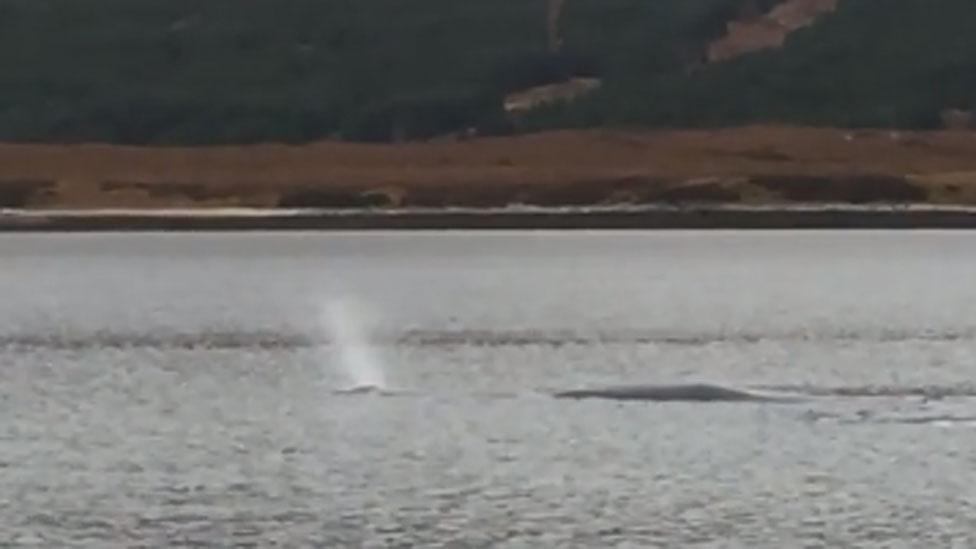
(696,392)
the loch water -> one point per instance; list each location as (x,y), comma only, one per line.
(186,389)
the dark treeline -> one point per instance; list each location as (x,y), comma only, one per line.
(237,71)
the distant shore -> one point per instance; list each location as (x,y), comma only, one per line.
(705,217)
(747,177)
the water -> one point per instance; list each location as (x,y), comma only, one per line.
(167,390)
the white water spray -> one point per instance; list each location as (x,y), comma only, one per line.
(346,325)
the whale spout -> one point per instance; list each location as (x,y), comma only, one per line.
(695,392)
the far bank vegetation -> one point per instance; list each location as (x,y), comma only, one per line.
(245,71)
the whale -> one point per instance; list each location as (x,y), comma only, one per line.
(693,392)
(374,390)
(360,390)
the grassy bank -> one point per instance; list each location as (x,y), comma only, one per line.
(743,166)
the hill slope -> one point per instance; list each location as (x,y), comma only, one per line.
(240,71)
(184,71)
(871,63)
(770,166)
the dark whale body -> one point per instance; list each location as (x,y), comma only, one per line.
(359,390)
(373,390)
(697,392)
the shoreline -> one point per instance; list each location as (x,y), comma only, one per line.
(756,177)
(835,216)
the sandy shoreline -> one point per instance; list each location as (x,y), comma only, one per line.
(836,216)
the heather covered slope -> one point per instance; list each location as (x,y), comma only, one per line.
(241,71)
(871,63)
(233,71)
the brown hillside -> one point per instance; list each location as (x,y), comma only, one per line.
(769,30)
(747,165)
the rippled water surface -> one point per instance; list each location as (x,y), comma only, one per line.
(167,390)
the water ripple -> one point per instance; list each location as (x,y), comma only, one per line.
(275,339)
(929,391)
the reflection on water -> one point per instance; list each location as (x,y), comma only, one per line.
(181,389)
